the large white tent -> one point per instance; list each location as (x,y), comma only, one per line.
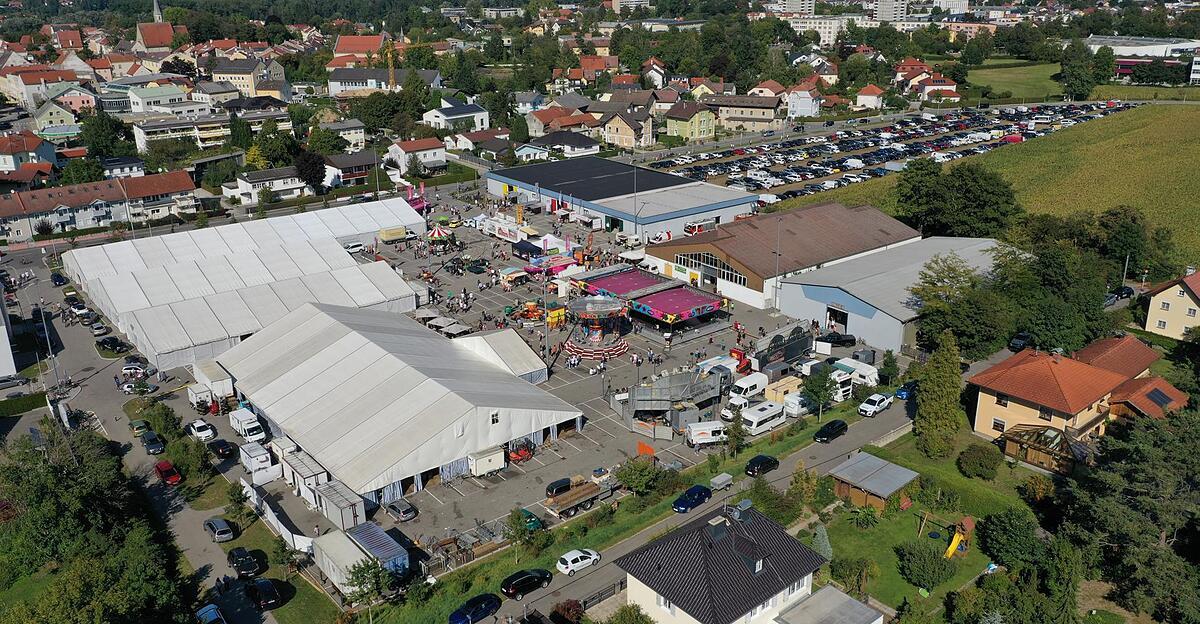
(382,402)
(344,224)
(506,349)
(186,331)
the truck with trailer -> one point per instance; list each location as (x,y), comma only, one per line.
(581,496)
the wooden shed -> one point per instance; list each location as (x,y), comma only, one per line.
(865,480)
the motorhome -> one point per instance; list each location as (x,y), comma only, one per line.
(702,433)
(797,405)
(763,417)
(861,372)
(742,391)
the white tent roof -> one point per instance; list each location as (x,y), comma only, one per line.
(376,398)
(87,264)
(506,349)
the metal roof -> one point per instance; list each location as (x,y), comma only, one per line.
(376,542)
(591,178)
(339,494)
(873,474)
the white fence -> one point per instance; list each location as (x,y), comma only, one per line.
(258,502)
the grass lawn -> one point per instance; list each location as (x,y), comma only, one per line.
(1141,158)
(454,173)
(303,603)
(33,371)
(1032,81)
(210,494)
(22,404)
(878,544)
(27,588)
(1141,92)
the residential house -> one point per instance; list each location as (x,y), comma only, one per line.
(664,99)
(629,130)
(528,101)
(869,96)
(123,167)
(23,147)
(214,93)
(469,141)
(66,39)
(143,98)
(593,65)
(362,47)
(350,169)
(1173,306)
(580,122)
(569,144)
(284,183)
(570,99)
(531,153)
(495,149)
(692,121)
(97,204)
(29,84)
(803,100)
(1049,408)
(51,113)
(28,176)
(457,115)
(731,565)
(655,72)
(767,88)
(747,112)
(247,74)
(349,81)
(156,36)
(539,120)
(69,60)
(72,96)
(937,88)
(352,130)
(701,87)
(430,153)
(910,65)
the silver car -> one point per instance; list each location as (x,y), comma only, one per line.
(401,510)
(219,529)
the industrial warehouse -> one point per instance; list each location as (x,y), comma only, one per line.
(641,203)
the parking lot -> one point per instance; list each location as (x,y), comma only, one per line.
(808,165)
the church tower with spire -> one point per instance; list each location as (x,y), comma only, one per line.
(158,18)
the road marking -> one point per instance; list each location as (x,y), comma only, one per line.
(451,486)
(440,501)
(589,438)
(564,441)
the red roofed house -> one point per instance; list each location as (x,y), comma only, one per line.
(767,88)
(869,96)
(19,148)
(468,141)
(28,176)
(359,46)
(593,65)
(96,204)
(430,153)
(625,79)
(1048,409)
(69,40)
(27,84)
(539,120)
(655,72)
(1175,306)
(155,37)
(937,87)
(911,64)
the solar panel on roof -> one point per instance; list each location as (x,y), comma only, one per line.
(1159,397)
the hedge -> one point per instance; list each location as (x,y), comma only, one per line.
(22,404)
(70,233)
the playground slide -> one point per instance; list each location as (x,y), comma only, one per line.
(954,544)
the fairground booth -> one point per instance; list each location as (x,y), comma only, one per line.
(666,304)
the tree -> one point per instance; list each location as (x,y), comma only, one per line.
(415,168)
(255,160)
(889,369)
(371,581)
(80,170)
(326,142)
(968,200)
(311,169)
(629,614)
(266,195)
(220,172)
(864,517)
(240,134)
(938,412)
(979,460)
(106,136)
(855,573)
(821,542)
(1104,65)
(638,475)
(278,147)
(1064,570)
(517,527)
(735,433)
(43,227)
(519,129)
(179,66)
(921,563)
(804,484)
(1010,537)
(1078,81)
(201,219)
(570,610)
(819,389)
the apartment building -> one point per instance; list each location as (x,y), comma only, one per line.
(1173,307)
(207,130)
(749,113)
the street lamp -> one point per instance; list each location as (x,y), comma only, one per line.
(49,348)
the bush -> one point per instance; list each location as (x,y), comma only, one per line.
(855,574)
(1011,537)
(668,482)
(922,564)
(569,610)
(980,460)
(864,517)
(22,404)
(1036,489)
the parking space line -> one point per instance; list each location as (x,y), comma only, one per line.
(451,486)
(589,438)
(440,501)
(534,458)
(564,441)
(596,425)
(671,450)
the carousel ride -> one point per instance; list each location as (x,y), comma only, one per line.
(600,318)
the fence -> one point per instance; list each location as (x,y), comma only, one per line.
(258,502)
(603,594)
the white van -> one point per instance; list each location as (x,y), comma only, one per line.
(246,424)
(796,405)
(701,433)
(763,417)
(742,391)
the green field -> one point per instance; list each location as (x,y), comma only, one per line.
(1143,158)
(1137,92)
(1033,81)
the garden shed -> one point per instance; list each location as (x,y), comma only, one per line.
(865,480)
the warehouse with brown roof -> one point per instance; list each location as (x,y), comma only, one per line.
(745,260)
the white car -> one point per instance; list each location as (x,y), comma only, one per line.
(202,430)
(874,404)
(576,560)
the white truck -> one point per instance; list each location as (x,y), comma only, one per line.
(702,433)
(246,424)
(742,391)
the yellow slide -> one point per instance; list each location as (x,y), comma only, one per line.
(958,536)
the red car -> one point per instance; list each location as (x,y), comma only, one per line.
(167,473)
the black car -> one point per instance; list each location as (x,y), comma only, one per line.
(1021,341)
(476,609)
(242,562)
(114,344)
(222,448)
(839,340)
(153,444)
(72,300)
(558,487)
(830,431)
(760,465)
(1125,292)
(57,279)
(263,594)
(518,585)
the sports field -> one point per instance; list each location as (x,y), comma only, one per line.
(1031,81)
(1143,158)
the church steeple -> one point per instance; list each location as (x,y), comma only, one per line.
(158,18)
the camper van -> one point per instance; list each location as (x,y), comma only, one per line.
(701,433)
(797,405)
(742,391)
(860,372)
(763,417)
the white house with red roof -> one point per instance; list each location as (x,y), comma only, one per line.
(804,99)
(869,96)
(655,72)
(23,147)
(937,87)
(156,36)
(359,46)
(430,152)
(767,88)
(911,64)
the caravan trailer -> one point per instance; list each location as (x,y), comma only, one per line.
(763,417)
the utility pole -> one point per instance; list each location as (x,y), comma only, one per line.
(49,347)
